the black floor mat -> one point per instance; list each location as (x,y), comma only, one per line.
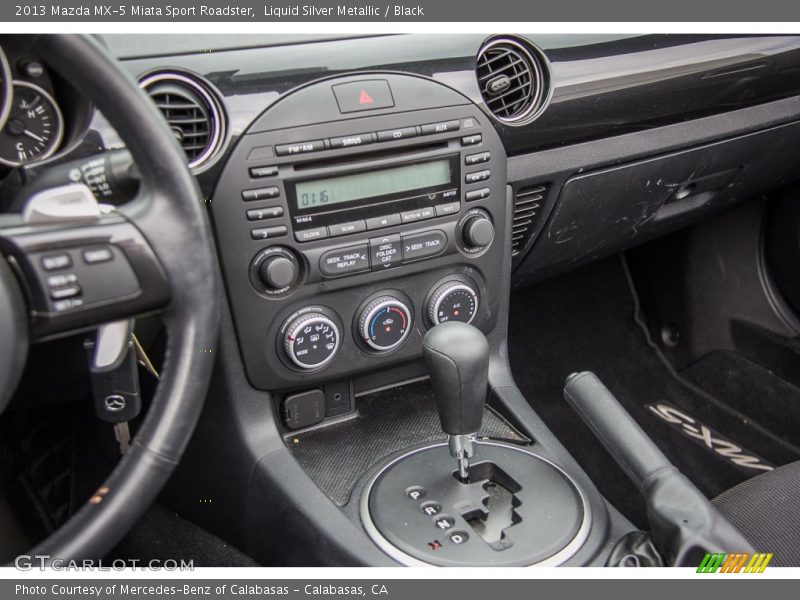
(585,321)
(162,535)
(749,388)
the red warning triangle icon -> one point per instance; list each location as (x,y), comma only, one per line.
(365,98)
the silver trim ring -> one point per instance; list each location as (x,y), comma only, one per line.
(59,136)
(8,78)
(215,112)
(369,313)
(301,321)
(559,558)
(440,294)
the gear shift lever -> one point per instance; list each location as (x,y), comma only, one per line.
(457,356)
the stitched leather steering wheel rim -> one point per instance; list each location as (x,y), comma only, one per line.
(171,216)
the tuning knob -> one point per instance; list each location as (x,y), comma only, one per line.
(453,301)
(384,323)
(477,231)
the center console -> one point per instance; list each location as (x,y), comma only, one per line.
(354,215)
(363,225)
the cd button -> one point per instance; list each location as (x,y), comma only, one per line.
(385,221)
(385,252)
(420,214)
(344,261)
(392,135)
(309,235)
(347,228)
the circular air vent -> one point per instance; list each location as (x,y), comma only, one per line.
(192,112)
(511,80)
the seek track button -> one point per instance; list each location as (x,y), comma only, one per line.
(423,245)
(344,261)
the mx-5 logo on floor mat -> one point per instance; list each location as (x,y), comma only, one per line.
(743,562)
(709,438)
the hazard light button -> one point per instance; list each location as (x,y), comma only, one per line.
(369,94)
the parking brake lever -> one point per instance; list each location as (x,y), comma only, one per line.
(684,525)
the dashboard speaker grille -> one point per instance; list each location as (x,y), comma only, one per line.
(510,79)
(191,112)
(528,204)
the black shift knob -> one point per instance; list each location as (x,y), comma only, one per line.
(457,356)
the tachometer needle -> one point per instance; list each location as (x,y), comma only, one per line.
(30,134)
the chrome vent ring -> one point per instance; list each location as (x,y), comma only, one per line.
(192,111)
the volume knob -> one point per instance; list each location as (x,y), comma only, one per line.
(278,272)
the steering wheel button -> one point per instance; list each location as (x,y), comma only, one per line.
(65,292)
(59,280)
(55,262)
(97,255)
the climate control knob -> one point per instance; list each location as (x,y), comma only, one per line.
(384,323)
(453,301)
(477,231)
(311,340)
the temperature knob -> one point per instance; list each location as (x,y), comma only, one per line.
(311,340)
(384,323)
(453,301)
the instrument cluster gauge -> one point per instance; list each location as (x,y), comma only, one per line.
(35,126)
(5,88)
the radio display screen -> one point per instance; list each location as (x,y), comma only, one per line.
(344,189)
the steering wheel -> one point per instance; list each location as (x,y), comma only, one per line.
(162,248)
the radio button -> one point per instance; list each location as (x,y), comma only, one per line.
(393,135)
(443,127)
(423,245)
(268,233)
(351,140)
(261,193)
(345,261)
(299,148)
(474,159)
(419,214)
(471,140)
(449,194)
(309,235)
(445,210)
(477,176)
(258,172)
(347,228)
(385,221)
(385,252)
(258,214)
(480,194)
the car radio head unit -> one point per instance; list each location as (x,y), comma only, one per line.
(329,199)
